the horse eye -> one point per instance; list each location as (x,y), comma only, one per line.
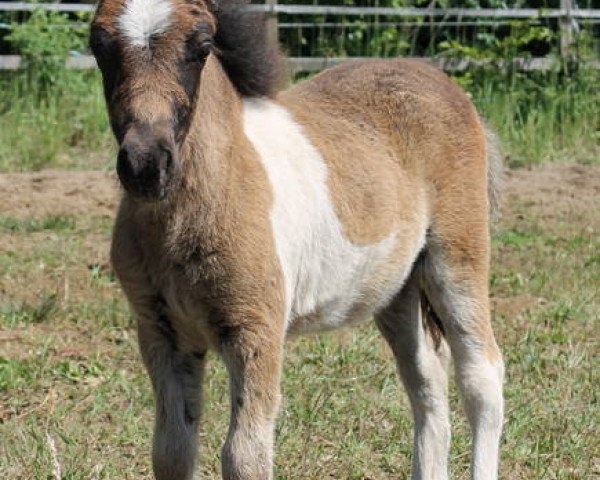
(200,44)
(205,48)
(199,52)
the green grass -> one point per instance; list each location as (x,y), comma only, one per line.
(58,223)
(539,116)
(70,372)
(11,316)
(68,129)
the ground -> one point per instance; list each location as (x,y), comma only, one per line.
(76,404)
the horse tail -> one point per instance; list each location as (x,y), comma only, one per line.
(495,172)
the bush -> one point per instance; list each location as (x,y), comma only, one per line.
(540,115)
(50,115)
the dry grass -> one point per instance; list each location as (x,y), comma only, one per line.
(75,402)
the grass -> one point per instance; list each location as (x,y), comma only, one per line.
(539,116)
(12,316)
(73,392)
(542,118)
(67,128)
(59,223)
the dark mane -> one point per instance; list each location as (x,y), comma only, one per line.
(252,62)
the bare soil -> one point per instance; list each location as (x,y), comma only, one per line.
(53,193)
(555,188)
(552,194)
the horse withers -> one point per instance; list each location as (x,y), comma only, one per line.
(250,214)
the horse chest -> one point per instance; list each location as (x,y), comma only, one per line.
(184,303)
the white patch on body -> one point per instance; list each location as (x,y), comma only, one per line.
(142,19)
(325,274)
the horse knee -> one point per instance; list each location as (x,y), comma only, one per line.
(248,456)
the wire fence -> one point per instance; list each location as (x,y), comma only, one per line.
(316,36)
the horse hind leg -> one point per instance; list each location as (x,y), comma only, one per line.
(422,357)
(455,279)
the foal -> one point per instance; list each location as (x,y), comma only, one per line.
(248,215)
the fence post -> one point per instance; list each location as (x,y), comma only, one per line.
(566,28)
(272,25)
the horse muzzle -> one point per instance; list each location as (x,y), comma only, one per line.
(146,163)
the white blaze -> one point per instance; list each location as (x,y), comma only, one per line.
(141,19)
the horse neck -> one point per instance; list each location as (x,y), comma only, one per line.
(205,162)
(217,119)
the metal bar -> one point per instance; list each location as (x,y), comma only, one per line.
(312,64)
(79,62)
(272,24)
(566,28)
(427,12)
(401,23)
(57,7)
(404,23)
(10,62)
(353,11)
(73,25)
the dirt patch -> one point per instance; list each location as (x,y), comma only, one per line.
(555,194)
(50,193)
(514,305)
(555,188)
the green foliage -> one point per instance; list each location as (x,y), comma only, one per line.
(45,41)
(49,115)
(492,47)
(540,115)
(65,126)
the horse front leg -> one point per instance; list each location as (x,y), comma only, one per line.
(253,355)
(177,382)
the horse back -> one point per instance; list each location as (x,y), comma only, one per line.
(397,136)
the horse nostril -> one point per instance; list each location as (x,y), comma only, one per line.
(145,168)
(123,164)
(166,158)
(122,156)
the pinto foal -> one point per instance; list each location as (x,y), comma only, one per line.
(248,215)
